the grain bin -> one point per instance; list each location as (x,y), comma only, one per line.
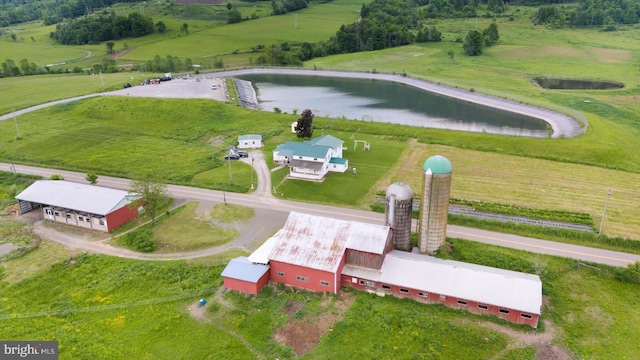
(397,210)
(434,205)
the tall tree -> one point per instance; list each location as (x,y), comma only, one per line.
(161,27)
(154,196)
(109,45)
(473,43)
(304,128)
(491,34)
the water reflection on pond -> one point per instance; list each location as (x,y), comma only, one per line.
(384,101)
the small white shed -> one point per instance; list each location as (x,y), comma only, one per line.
(250,141)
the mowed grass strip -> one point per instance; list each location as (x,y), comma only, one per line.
(534,183)
(186,230)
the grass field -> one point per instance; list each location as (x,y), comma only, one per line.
(189,229)
(102,307)
(116,136)
(141,310)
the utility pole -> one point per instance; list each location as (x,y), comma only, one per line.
(101,79)
(15,120)
(604,213)
(230,179)
(252,172)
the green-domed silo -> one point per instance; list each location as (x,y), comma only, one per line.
(434,205)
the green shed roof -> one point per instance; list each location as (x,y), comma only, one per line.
(327,140)
(438,165)
(294,148)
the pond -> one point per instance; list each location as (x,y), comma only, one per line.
(386,101)
(576,84)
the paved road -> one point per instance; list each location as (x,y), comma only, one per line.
(562,125)
(262,200)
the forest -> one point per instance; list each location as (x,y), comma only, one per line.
(607,13)
(94,30)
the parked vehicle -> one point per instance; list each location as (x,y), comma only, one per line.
(127,85)
(232,157)
(242,153)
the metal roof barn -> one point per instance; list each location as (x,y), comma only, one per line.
(509,289)
(319,242)
(80,197)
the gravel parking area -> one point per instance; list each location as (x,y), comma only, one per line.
(202,87)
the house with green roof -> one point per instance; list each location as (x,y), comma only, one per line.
(313,159)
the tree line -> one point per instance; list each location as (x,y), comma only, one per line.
(608,13)
(96,29)
(50,11)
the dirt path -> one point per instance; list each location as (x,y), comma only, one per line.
(542,341)
(200,313)
(252,233)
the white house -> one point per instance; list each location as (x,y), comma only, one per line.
(313,159)
(250,141)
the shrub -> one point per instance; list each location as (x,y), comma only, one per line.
(629,274)
(140,240)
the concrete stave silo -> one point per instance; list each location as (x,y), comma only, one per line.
(398,209)
(434,205)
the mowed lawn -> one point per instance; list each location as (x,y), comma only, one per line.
(316,23)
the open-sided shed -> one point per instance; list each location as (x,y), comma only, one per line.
(88,206)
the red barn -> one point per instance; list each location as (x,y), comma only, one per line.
(511,295)
(87,206)
(323,254)
(310,251)
(242,275)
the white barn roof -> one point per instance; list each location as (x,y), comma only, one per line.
(261,254)
(80,197)
(505,288)
(319,242)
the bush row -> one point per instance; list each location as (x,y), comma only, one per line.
(513,210)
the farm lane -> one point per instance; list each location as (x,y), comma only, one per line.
(562,125)
(263,201)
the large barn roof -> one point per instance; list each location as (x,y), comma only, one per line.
(80,197)
(508,289)
(319,242)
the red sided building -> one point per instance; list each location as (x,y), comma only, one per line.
(324,254)
(87,206)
